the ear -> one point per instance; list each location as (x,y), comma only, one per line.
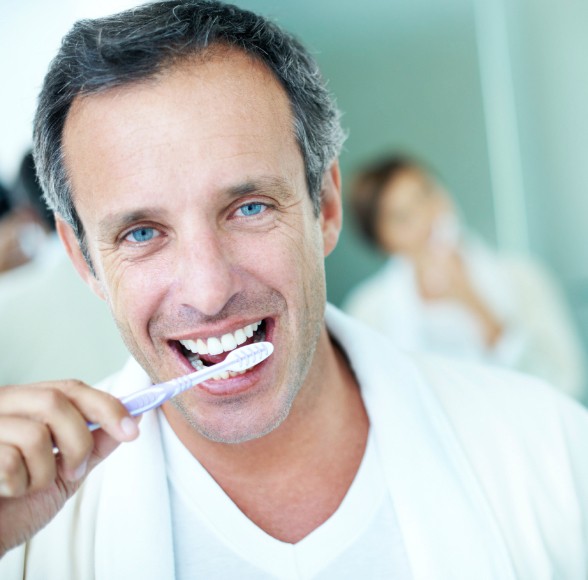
(331,217)
(72,247)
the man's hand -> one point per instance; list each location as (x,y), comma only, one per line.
(35,482)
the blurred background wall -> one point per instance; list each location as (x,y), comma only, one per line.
(493,94)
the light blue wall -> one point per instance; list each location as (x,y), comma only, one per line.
(504,119)
(406,76)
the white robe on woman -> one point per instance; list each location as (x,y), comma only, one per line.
(539,336)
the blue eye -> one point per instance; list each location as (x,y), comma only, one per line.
(141,235)
(253,208)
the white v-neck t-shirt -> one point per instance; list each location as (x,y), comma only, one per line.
(214,539)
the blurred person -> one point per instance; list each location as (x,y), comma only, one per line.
(43,299)
(4,201)
(443,290)
(11,254)
(190,151)
(27,223)
(26,192)
(21,237)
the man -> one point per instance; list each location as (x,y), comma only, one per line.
(189,152)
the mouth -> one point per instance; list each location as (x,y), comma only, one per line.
(202,352)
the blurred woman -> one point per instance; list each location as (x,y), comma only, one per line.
(25,221)
(443,290)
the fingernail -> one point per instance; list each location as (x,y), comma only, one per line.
(5,490)
(129,427)
(81,470)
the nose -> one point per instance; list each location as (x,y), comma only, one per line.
(205,276)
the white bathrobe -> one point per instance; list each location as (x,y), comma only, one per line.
(487,471)
(539,335)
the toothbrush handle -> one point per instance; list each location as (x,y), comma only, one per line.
(144,400)
(140,401)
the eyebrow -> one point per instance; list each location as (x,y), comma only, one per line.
(275,185)
(115,222)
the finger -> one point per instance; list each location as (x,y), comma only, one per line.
(27,463)
(104,409)
(14,478)
(94,405)
(65,407)
(33,442)
(52,410)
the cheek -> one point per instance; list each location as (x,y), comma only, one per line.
(289,260)
(278,266)
(387,236)
(134,292)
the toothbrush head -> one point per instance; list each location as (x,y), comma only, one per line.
(248,356)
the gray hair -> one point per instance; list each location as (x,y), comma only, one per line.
(137,44)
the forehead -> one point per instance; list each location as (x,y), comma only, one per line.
(204,118)
(407,187)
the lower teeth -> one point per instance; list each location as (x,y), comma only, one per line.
(196,363)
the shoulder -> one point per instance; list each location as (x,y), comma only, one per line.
(524,443)
(510,423)
(512,444)
(478,401)
(508,396)
(376,287)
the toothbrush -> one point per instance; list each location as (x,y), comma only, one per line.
(151,397)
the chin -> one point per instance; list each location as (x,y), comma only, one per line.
(238,426)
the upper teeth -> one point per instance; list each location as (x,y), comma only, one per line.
(224,343)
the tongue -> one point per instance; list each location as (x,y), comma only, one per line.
(212,359)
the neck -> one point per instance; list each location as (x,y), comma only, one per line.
(293,479)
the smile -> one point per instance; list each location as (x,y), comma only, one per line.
(202,352)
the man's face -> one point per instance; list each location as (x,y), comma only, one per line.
(192,193)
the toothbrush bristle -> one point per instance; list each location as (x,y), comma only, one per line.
(248,356)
